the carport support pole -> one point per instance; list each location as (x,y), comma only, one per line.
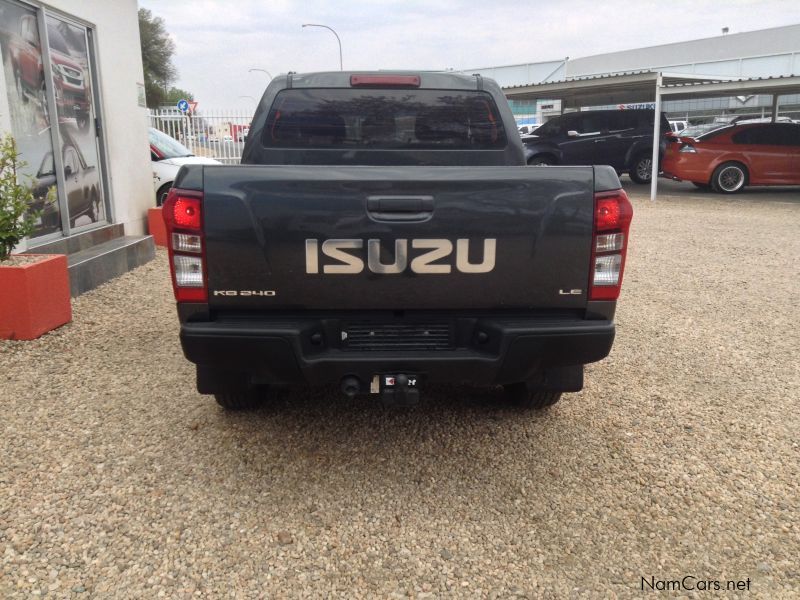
(656,140)
(774,107)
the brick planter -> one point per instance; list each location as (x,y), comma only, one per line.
(156,227)
(34,298)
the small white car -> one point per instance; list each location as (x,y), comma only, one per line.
(678,126)
(168,156)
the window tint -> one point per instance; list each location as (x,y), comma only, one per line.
(705,131)
(622,121)
(384,119)
(636,120)
(552,127)
(773,134)
(788,134)
(167,146)
(588,123)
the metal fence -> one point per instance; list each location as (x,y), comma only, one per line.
(218,134)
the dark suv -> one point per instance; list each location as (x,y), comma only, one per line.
(620,138)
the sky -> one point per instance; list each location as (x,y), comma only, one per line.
(218,41)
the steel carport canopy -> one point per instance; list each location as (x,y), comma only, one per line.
(650,86)
(596,90)
(774,86)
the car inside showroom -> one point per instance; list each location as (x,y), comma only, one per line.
(71,94)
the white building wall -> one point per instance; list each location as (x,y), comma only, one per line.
(752,54)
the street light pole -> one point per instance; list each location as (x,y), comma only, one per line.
(333,31)
(262,70)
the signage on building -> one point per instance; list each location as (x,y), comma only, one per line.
(637,106)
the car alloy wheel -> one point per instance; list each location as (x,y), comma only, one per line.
(730,179)
(644,169)
(641,170)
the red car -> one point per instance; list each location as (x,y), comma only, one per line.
(69,78)
(26,59)
(730,158)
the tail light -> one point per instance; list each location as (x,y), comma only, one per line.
(183,216)
(612,220)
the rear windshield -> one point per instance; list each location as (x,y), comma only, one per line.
(384,119)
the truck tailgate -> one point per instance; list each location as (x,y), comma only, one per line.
(318,237)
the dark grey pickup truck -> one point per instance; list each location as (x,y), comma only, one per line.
(384,232)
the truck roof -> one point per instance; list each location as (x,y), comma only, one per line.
(428,79)
(406,82)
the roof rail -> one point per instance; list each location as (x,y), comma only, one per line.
(479,80)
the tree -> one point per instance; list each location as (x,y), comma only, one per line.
(157,51)
(176,94)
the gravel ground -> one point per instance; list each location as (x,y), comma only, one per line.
(680,457)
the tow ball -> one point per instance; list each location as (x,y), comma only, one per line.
(399,389)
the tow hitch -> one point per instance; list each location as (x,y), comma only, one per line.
(396,389)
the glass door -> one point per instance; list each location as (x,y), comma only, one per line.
(23,78)
(81,193)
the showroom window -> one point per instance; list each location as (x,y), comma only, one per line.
(49,80)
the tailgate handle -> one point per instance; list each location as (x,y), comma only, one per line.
(400,208)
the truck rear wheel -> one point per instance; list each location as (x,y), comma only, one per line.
(242,400)
(642,169)
(520,395)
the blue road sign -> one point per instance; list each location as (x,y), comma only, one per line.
(183,106)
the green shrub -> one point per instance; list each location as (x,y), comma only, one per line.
(17,221)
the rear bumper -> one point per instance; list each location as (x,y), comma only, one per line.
(483,350)
(666,175)
(687,167)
